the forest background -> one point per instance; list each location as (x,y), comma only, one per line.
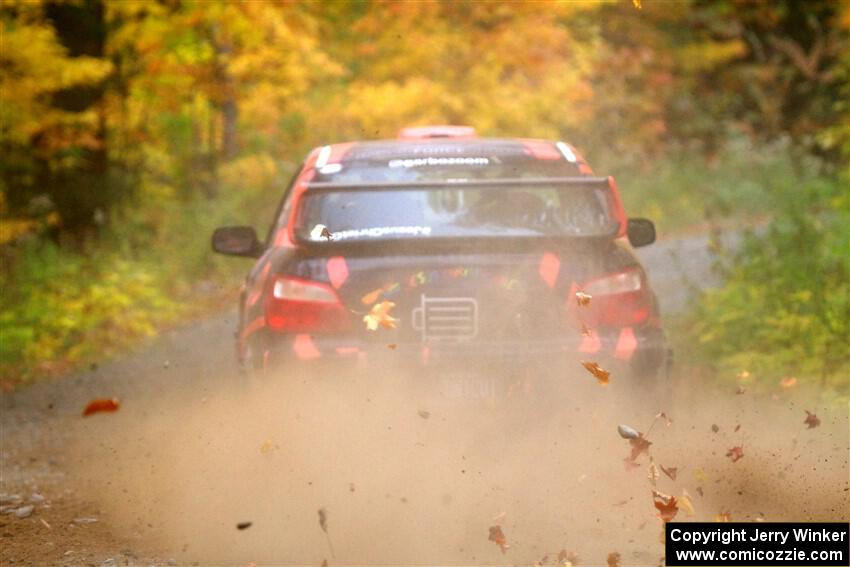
(130,129)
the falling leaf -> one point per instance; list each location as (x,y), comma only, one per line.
(498,536)
(637,4)
(743,375)
(380,316)
(320,231)
(583,299)
(244,525)
(735,453)
(666,505)
(652,473)
(323,519)
(686,504)
(627,432)
(740,390)
(424,414)
(613,559)
(601,375)
(639,445)
(788,382)
(811,420)
(737,427)
(392,346)
(371,297)
(667,420)
(700,475)
(102,405)
(671,472)
(586,331)
(715,428)
(566,558)
(700,492)
(723,517)
(267,446)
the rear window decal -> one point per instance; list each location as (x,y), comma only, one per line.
(379,231)
(418,162)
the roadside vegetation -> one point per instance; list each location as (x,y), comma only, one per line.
(131,129)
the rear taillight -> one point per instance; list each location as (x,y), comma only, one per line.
(622,282)
(618,299)
(302,306)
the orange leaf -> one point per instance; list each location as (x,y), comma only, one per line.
(371,297)
(498,536)
(392,346)
(102,404)
(598,372)
(735,453)
(788,382)
(666,505)
(613,559)
(583,299)
(639,445)
(671,472)
(811,420)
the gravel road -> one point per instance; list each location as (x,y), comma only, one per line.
(402,476)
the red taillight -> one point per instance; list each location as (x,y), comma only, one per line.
(618,299)
(621,282)
(301,306)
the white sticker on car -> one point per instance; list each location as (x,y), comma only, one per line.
(419,162)
(379,231)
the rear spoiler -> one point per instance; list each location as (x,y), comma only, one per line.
(442,184)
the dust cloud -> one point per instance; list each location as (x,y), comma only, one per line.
(412,472)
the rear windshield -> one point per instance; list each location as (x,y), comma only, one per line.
(387,213)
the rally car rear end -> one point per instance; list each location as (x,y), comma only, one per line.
(438,252)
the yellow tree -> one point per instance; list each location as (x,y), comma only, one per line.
(51,115)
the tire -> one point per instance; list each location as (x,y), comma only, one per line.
(652,378)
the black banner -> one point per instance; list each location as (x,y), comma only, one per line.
(758,543)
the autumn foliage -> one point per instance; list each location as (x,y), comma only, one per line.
(129,129)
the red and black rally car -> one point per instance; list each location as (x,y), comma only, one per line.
(441,245)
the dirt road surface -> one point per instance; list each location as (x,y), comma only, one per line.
(401,473)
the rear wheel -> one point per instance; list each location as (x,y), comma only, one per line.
(652,379)
(253,362)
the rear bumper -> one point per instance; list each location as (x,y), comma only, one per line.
(640,348)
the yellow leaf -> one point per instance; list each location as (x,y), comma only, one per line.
(380,316)
(686,504)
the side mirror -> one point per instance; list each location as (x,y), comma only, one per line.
(641,232)
(237,241)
